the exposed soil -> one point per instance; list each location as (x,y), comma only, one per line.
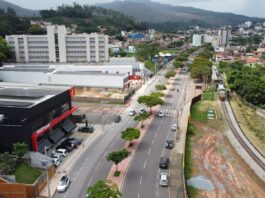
(215,158)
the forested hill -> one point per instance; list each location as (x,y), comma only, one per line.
(90,18)
(19,10)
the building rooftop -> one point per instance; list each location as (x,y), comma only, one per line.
(89,73)
(25,95)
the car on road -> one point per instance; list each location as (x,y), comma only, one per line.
(131,112)
(142,110)
(63,184)
(163,179)
(169,144)
(63,152)
(174,127)
(173,89)
(164,162)
(161,113)
(86,129)
(117,119)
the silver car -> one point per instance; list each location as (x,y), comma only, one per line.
(163,179)
(174,127)
(63,184)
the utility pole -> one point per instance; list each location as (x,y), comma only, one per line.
(47,173)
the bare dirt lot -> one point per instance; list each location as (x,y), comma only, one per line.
(214,158)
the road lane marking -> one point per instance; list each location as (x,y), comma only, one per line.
(90,181)
(141,179)
(156,134)
(138,196)
(98,166)
(163,151)
(156,193)
(149,151)
(144,164)
(153,142)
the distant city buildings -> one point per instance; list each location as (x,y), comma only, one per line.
(59,47)
(197,40)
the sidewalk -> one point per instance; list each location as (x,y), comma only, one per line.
(68,163)
(177,179)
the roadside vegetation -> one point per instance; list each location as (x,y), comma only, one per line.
(26,174)
(117,157)
(192,192)
(103,189)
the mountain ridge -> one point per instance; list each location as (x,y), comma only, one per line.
(19,10)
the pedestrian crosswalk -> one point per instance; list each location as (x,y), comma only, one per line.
(167,111)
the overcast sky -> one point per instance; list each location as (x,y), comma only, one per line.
(246,7)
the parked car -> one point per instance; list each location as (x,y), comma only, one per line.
(131,112)
(74,141)
(58,156)
(164,162)
(117,119)
(142,110)
(63,184)
(174,127)
(169,144)
(173,89)
(63,152)
(163,179)
(66,145)
(86,129)
(56,161)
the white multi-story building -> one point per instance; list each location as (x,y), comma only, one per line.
(224,36)
(197,40)
(58,47)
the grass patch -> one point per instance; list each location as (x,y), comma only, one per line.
(171,51)
(197,114)
(192,192)
(117,173)
(209,94)
(26,174)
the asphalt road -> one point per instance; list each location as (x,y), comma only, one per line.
(142,177)
(92,164)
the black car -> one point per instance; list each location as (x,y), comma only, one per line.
(164,162)
(66,145)
(169,144)
(117,119)
(86,129)
(74,141)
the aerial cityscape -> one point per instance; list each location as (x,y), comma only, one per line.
(132,99)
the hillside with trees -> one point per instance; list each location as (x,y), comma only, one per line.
(90,18)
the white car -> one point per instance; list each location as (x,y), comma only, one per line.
(131,112)
(63,184)
(163,179)
(161,114)
(174,127)
(63,152)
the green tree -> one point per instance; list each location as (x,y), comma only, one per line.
(161,87)
(7,163)
(157,94)
(170,74)
(20,149)
(104,189)
(117,156)
(36,30)
(150,101)
(150,65)
(145,51)
(4,49)
(142,117)
(178,64)
(130,134)
(2,58)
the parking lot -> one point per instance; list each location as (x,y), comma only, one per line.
(100,114)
